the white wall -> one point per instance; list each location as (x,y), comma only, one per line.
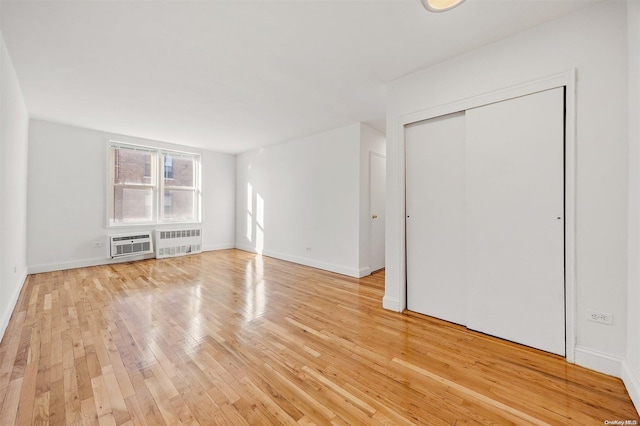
(14,126)
(68,193)
(594,42)
(371,140)
(304,200)
(218,201)
(631,367)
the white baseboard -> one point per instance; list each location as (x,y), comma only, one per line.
(338,269)
(598,361)
(632,383)
(61,266)
(6,316)
(215,247)
(366,271)
(391,304)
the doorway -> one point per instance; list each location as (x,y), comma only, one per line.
(377,191)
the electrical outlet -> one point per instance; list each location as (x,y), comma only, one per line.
(600,317)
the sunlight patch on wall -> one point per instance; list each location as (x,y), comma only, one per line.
(259,224)
(249,212)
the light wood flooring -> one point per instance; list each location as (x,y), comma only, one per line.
(229,337)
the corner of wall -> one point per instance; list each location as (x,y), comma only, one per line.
(391,304)
(632,383)
(598,361)
(14,117)
(364,271)
(215,247)
(11,305)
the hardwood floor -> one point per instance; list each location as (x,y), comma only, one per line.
(229,337)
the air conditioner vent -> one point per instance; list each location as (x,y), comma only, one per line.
(131,244)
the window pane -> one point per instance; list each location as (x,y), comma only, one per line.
(132,204)
(168,167)
(178,171)
(132,166)
(178,205)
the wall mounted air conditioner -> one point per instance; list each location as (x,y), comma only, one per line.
(178,242)
(131,244)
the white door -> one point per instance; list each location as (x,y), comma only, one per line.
(435,217)
(515,220)
(377,192)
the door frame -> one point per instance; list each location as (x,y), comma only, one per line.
(384,157)
(568,81)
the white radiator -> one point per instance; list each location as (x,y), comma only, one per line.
(178,242)
(131,244)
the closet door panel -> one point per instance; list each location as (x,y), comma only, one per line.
(514,216)
(435,221)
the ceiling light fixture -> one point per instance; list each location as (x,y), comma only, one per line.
(440,5)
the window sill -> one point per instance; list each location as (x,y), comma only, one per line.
(151,225)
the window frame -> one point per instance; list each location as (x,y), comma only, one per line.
(157,185)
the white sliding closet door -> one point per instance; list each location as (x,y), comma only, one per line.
(515,220)
(435,217)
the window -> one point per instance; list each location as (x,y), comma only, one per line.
(147,169)
(149,185)
(168,167)
(179,190)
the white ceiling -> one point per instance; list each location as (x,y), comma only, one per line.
(232,76)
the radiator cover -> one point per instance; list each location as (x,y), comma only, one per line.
(178,242)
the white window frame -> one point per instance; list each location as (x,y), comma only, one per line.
(157,185)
